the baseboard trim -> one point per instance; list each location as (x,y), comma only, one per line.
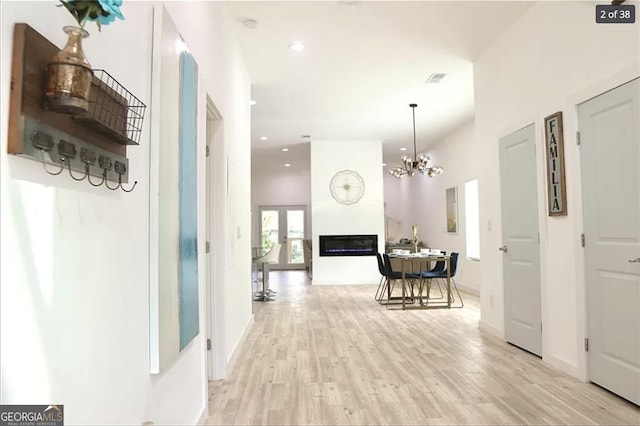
(202,419)
(564,366)
(231,361)
(471,291)
(483,325)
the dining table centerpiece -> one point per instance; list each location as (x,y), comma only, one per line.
(69,73)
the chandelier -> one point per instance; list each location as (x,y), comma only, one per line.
(419,163)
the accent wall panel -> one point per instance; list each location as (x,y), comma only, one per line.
(188,203)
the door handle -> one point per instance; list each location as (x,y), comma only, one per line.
(503,248)
(637,260)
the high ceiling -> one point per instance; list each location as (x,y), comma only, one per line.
(363,63)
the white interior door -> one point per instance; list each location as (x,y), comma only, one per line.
(286,225)
(610,153)
(521,264)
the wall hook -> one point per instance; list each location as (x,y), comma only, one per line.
(106,164)
(104,178)
(86,172)
(121,168)
(106,183)
(44,165)
(89,159)
(122,187)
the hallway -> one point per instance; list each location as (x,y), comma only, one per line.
(332,355)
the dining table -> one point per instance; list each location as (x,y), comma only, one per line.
(420,262)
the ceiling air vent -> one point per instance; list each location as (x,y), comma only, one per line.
(434,78)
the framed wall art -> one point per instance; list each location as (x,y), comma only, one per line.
(452,210)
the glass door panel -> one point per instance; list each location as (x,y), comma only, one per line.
(284,224)
(270,229)
(295,237)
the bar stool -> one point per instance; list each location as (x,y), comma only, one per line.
(272,256)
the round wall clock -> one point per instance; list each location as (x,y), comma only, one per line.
(347,187)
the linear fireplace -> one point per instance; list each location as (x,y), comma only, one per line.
(348,245)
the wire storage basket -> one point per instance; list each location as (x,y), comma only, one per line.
(113,110)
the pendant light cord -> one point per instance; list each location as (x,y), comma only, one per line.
(413,110)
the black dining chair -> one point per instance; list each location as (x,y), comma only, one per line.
(439,267)
(392,276)
(383,278)
(440,264)
(442,275)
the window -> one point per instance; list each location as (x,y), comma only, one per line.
(472,219)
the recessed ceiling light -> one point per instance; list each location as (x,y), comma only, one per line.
(287,165)
(384,164)
(285,149)
(435,78)
(252,102)
(263,138)
(403,149)
(250,23)
(297,46)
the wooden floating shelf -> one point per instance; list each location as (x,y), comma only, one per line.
(31,53)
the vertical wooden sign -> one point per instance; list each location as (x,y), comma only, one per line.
(556,182)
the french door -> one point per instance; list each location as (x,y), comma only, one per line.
(284,225)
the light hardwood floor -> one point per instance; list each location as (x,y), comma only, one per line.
(332,355)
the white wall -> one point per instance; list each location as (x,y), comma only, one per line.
(457,154)
(552,59)
(398,198)
(74,287)
(279,188)
(331,218)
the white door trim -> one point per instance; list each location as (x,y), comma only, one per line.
(216,258)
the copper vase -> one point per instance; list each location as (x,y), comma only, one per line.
(69,76)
